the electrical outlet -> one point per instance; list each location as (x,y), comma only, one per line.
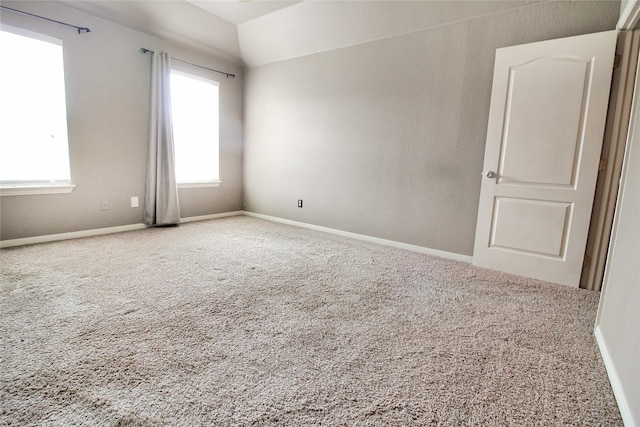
(134,202)
(299,203)
(105,205)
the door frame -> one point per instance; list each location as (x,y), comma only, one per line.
(616,135)
(616,323)
(629,16)
(616,130)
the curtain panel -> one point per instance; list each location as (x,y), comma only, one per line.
(161,205)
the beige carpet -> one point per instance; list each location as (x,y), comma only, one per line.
(240,321)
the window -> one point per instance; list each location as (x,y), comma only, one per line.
(34,148)
(194,109)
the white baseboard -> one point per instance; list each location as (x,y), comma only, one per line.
(393,243)
(130,227)
(614,379)
(69,235)
(101,231)
(211,216)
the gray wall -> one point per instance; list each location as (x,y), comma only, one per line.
(107,83)
(386,138)
(618,317)
(618,320)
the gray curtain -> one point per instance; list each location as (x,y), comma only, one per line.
(161,205)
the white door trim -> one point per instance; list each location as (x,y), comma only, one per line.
(612,152)
(630,16)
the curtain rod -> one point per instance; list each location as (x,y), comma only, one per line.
(145,50)
(81,30)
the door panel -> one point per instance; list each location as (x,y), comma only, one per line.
(546,123)
(544,107)
(530,226)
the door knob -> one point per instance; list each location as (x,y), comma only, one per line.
(490,174)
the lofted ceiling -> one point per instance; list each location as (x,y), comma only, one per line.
(258,32)
(239,11)
(204,25)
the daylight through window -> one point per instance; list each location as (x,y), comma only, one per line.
(194,109)
(34,148)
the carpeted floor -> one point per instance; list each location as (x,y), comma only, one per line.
(240,321)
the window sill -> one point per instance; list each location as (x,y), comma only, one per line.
(32,190)
(199,184)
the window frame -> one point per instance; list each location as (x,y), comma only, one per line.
(35,187)
(197,74)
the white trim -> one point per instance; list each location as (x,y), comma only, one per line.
(130,227)
(101,231)
(69,235)
(629,16)
(614,379)
(393,243)
(199,184)
(31,34)
(211,216)
(33,190)
(617,130)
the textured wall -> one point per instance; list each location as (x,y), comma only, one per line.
(107,83)
(317,26)
(386,138)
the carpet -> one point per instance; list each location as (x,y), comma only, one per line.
(241,321)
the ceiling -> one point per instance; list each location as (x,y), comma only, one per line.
(209,25)
(239,11)
(259,32)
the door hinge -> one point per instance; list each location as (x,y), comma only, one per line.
(586,260)
(603,165)
(617,60)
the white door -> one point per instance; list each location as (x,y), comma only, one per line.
(546,124)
